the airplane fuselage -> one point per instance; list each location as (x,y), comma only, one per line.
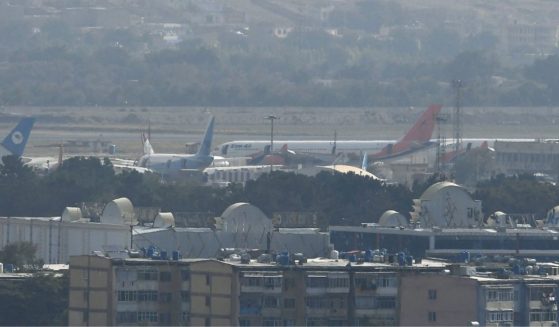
(348,147)
(171,164)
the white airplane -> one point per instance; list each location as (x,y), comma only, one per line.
(417,138)
(172,164)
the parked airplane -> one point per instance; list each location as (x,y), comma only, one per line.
(418,137)
(170,165)
(15,142)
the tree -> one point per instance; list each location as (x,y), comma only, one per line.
(21,255)
(21,190)
(41,300)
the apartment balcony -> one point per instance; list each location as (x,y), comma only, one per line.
(499,305)
(268,289)
(386,291)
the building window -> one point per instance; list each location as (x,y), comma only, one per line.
(184,316)
(386,302)
(147,316)
(185,275)
(147,296)
(387,281)
(147,274)
(270,302)
(126,296)
(543,315)
(500,294)
(316,302)
(499,316)
(432,294)
(244,322)
(432,316)
(165,276)
(126,317)
(338,282)
(185,296)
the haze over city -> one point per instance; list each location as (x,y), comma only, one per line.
(279,162)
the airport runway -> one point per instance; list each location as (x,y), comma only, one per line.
(172,127)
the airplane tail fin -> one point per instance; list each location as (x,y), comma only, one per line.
(17,139)
(419,134)
(206,145)
(423,128)
(365,162)
(147,148)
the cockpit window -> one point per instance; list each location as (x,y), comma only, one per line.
(224,149)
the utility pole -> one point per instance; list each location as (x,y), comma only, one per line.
(457,121)
(271,118)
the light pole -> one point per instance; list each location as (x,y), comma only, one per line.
(271,118)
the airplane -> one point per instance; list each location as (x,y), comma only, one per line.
(171,165)
(14,143)
(418,137)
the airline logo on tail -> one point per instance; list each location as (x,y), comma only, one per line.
(417,137)
(17,139)
(206,146)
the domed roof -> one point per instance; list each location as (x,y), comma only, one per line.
(244,217)
(164,220)
(431,192)
(392,218)
(120,212)
(71,214)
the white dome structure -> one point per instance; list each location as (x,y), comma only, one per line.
(392,218)
(448,205)
(164,220)
(71,214)
(244,217)
(119,212)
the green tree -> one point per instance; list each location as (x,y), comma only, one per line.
(21,255)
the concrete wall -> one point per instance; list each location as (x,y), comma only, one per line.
(455,303)
(58,240)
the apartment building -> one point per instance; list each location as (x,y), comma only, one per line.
(132,291)
(460,300)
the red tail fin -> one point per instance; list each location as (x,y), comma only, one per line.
(420,133)
(423,128)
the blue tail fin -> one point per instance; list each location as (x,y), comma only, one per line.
(206,145)
(17,139)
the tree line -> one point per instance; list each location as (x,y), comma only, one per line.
(337,199)
(307,68)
